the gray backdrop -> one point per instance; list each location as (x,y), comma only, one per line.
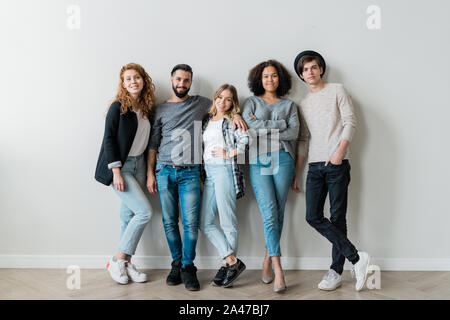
(58,75)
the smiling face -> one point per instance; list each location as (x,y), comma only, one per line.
(311,73)
(181,82)
(133,82)
(270,79)
(224,101)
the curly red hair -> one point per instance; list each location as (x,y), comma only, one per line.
(146,98)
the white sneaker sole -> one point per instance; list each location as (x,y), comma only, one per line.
(329,288)
(139,280)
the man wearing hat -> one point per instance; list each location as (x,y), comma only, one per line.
(327,127)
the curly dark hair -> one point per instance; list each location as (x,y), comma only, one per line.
(255,78)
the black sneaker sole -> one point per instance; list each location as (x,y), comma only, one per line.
(215,284)
(174,283)
(193,289)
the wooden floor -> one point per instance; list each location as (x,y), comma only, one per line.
(97,284)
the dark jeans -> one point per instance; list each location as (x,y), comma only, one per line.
(333,180)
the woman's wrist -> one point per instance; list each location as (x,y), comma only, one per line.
(231,154)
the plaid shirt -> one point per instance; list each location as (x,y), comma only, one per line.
(234,139)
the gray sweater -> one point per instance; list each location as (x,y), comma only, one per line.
(281,115)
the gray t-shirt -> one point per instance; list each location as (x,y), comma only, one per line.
(177,131)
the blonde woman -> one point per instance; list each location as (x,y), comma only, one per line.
(224,181)
(122,164)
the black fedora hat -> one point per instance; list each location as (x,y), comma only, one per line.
(308,53)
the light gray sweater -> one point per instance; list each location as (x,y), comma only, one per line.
(326,118)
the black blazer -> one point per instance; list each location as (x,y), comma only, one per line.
(120,130)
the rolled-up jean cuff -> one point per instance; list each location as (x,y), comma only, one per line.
(227,254)
(116,164)
(274,254)
(127,252)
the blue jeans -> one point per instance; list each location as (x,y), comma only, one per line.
(179,188)
(271,177)
(219,195)
(332,180)
(135,208)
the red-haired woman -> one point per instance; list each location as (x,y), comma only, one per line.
(122,164)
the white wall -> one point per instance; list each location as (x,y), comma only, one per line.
(56,84)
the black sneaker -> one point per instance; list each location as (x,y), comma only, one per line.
(174,276)
(233,272)
(220,276)
(189,277)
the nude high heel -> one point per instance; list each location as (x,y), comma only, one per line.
(282,288)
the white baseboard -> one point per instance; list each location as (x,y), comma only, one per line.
(253,263)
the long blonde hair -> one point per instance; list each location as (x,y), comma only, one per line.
(146,98)
(234,108)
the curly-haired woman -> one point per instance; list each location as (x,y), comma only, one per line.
(122,164)
(274,121)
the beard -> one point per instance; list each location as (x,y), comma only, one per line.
(181,94)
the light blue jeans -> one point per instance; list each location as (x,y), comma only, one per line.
(219,195)
(271,191)
(135,209)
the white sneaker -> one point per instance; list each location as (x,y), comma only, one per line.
(360,270)
(134,274)
(330,281)
(117,270)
